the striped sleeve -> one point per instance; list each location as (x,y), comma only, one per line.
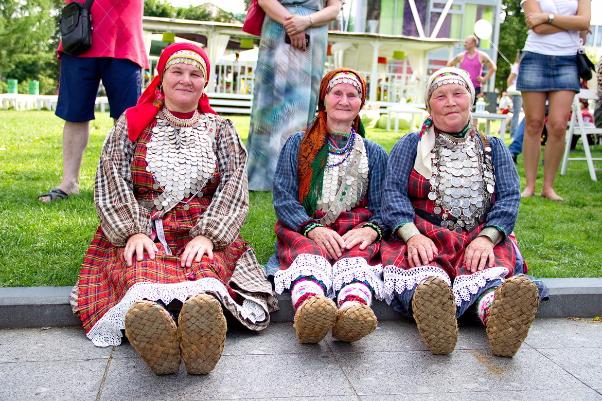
(377,164)
(121,216)
(396,205)
(224,217)
(288,209)
(504,211)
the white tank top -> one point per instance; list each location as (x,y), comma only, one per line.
(554,44)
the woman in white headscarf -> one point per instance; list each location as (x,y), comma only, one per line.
(451,197)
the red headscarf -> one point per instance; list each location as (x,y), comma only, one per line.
(315,137)
(150,102)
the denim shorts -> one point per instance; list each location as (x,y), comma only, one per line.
(79,79)
(543,73)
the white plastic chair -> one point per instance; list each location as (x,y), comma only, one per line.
(582,130)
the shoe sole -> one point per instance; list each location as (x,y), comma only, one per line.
(314,318)
(354,323)
(513,310)
(202,328)
(434,311)
(152,332)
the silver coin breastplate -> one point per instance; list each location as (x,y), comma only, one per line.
(181,160)
(345,183)
(462,182)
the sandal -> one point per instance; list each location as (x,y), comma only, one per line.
(53,195)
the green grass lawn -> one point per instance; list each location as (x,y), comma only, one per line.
(44,244)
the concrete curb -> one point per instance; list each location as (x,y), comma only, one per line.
(49,306)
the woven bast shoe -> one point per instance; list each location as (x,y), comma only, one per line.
(152,332)
(434,310)
(202,327)
(354,323)
(314,318)
(513,310)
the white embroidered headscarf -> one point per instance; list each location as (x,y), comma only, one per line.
(444,76)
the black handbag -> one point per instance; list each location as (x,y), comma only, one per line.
(584,66)
(76,27)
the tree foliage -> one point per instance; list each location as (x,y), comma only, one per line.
(28,38)
(513,33)
(203,12)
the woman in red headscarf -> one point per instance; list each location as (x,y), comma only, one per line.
(171,194)
(327,199)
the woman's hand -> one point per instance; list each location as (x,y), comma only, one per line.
(298,41)
(478,253)
(136,245)
(421,250)
(534,19)
(195,249)
(328,240)
(294,24)
(363,236)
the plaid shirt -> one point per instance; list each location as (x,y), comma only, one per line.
(122,216)
(286,186)
(398,205)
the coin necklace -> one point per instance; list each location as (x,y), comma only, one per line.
(181,158)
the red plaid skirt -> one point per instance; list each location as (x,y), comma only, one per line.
(292,244)
(105,278)
(451,245)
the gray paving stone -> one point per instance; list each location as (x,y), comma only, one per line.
(52,344)
(54,380)
(404,336)
(584,363)
(565,333)
(581,394)
(241,376)
(279,338)
(469,370)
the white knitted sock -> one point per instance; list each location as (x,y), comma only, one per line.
(353,294)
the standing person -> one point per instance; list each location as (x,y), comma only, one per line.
(116,57)
(327,194)
(451,197)
(472,61)
(287,79)
(548,71)
(598,105)
(517,100)
(171,195)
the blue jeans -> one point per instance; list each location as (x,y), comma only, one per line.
(516,147)
(517,105)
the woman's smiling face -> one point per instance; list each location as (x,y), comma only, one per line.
(450,107)
(183,86)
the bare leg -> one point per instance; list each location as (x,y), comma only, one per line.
(75,139)
(534,105)
(560,107)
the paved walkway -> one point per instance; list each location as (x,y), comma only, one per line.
(561,360)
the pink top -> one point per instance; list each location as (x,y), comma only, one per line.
(117,31)
(473,66)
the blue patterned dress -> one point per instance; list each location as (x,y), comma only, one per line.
(285,98)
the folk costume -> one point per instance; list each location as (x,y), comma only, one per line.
(321,183)
(451,188)
(172,176)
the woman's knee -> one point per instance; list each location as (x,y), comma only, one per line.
(557,127)
(534,127)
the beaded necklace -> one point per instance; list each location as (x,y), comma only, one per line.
(345,150)
(181,122)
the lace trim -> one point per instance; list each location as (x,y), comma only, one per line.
(348,270)
(469,284)
(107,331)
(397,280)
(304,265)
